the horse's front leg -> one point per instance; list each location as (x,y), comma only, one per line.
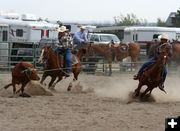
(137,90)
(134,63)
(43,78)
(51,82)
(148,89)
(110,69)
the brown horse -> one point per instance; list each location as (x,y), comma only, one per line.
(151,77)
(130,49)
(54,66)
(118,51)
(176,51)
(104,50)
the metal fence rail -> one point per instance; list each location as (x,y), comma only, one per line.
(91,65)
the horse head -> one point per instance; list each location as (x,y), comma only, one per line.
(164,51)
(44,54)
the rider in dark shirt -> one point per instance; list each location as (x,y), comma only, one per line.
(153,58)
(64,47)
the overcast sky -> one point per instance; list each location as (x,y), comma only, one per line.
(92,10)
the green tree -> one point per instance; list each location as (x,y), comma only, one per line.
(160,22)
(128,20)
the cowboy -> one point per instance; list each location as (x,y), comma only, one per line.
(64,47)
(152,60)
(80,37)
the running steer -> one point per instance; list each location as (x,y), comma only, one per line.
(22,73)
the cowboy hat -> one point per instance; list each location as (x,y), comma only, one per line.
(164,36)
(62,29)
(82,27)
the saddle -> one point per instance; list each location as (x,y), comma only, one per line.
(124,48)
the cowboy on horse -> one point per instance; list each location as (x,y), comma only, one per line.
(153,58)
(64,48)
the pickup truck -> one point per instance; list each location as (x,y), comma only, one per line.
(100,38)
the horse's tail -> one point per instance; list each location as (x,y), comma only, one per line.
(5,87)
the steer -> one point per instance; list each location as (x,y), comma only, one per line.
(22,73)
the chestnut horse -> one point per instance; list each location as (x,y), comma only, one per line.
(54,67)
(130,49)
(104,50)
(118,51)
(176,51)
(152,77)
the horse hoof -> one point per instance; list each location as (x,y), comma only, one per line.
(69,88)
(52,89)
(24,95)
(135,94)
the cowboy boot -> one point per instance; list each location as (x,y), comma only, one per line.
(161,86)
(136,77)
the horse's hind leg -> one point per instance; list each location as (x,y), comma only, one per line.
(58,80)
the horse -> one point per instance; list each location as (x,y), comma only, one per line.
(131,49)
(151,77)
(54,66)
(118,51)
(104,50)
(176,51)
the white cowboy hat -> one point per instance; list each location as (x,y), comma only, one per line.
(82,27)
(164,36)
(62,29)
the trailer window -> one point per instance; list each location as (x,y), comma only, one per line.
(135,37)
(5,35)
(19,32)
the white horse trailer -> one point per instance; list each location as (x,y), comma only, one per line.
(26,32)
(4,29)
(148,33)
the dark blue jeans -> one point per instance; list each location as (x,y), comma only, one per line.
(67,55)
(151,61)
(68,60)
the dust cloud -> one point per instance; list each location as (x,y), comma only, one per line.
(121,88)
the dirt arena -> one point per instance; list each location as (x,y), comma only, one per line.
(101,105)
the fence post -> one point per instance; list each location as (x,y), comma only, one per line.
(34,54)
(9,55)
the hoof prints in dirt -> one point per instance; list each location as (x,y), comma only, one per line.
(146,98)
